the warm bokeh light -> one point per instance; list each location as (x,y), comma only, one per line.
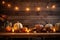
(27,9)
(3,2)
(9,5)
(53,6)
(27,30)
(16,8)
(12,29)
(54,30)
(38,8)
(47,7)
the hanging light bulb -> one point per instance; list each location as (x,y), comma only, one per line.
(53,6)
(38,8)
(3,2)
(9,5)
(27,9)
(47,7)
(16,8)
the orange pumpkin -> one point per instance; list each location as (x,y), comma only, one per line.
(8,28)
(24,29)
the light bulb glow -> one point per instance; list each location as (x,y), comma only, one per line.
(53,6)
(27,9)
(9,5)
(16,8)
(3,2)
(38,8)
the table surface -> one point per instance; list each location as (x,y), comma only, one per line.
(20,35)
(29,33)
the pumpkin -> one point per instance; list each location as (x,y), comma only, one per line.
(24,29)
(8,28)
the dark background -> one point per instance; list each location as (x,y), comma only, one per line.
(32,17)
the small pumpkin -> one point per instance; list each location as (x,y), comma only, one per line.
(8,28)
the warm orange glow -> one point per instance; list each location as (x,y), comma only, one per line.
(8,28)
(28,30)
(53,6)
(25,29)
(38,8)
(9,5)
(54,30)
(47,7)
(16,8)
(13,30)
(27,9)
(3,2)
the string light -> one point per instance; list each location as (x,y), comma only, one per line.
(38,8)
(16,8)
(27,9)
(3,2)
(53,6)
(47,7)
(9,5)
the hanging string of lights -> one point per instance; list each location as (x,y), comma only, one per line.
(16,8)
